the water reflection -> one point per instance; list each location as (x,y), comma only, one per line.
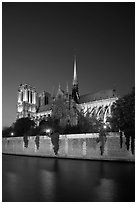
(27,179)
(48,184)
(12,184)
(105,190)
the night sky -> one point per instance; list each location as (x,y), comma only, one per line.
(41,39)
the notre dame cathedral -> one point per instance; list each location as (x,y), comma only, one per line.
(63,105)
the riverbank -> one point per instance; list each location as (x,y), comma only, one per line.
(72,158)
(75,146)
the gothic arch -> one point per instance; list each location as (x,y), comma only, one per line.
(99,110)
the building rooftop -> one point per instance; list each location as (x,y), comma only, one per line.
(104,94)
(44,108)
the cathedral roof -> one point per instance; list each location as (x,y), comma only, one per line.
(104,94)
(45,108)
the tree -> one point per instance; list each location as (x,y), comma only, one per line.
(23,126)
(34,131)
(6,132)
(37,141)
(55,141)
(123,117)
(123,113)
(51,123)
(102,138)
(88,123)
(72,129)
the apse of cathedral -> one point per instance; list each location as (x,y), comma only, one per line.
(62,105)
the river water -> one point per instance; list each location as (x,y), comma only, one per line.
(34,179)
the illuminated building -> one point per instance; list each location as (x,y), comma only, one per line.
(26,102)
(64,105)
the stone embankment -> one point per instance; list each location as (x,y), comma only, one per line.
(77,146)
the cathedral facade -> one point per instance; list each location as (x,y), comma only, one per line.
(63,105)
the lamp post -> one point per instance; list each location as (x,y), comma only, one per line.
(12,133)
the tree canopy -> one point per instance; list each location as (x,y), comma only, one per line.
(6,132)
(123,113)
(23,126)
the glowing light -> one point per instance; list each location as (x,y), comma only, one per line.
(34,98)
(48,130)
(20,109)
(19,97)
(12,133)
(104,126)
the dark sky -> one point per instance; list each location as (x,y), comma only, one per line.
(41,39)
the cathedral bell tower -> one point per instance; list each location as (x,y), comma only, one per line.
(26,103)
(75,92)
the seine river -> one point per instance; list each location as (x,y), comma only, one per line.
(32,179)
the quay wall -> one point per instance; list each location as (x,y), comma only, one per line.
(77,146)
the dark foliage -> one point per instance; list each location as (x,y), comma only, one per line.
(23,126)
(123,117)
(34,131)
(133,145)
(26,141)
(51,123)
(88,124)
(121,140)
(127,141)
(130,139)
(6,132)
(102,139)
(72,129)
(37,142)
(123,113)
(55,142)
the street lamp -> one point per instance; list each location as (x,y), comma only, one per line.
(104,126)
(48,130)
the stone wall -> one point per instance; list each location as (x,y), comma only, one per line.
(83,146)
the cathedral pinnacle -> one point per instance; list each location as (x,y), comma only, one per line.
(67,89)
(75,92)
(59,87)
(75,72)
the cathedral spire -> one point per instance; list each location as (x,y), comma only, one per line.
(53,92)
(67,89)
(59,87)
(75,92)
(59,92)
(75,72)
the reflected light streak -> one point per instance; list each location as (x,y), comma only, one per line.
(106,190)
(48,184)
(12,183)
